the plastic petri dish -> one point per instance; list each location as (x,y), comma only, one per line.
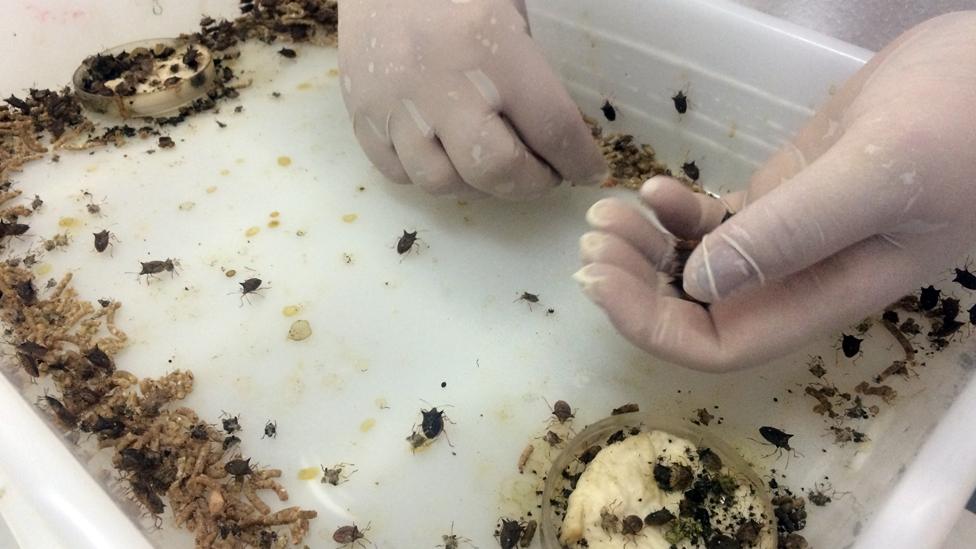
(154,100)
(597,434)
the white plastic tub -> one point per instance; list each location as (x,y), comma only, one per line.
(395,330)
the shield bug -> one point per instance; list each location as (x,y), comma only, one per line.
(12,229)
(691,170)
(609,522)
(239,468)
(229,441)
(231,424)
(972,314)
(609,112)
(850,345)
(528,298)
(965,278)
(928,298)
(561,411)
(552,438)
(270,429)
(406,242)
(347,535)
(150,268)
(102,240)
(64,416)
(659,518)
(432,423)
(452,540)
(251,286)
(33,349)
(287,53)
(509,533)
(99,359)
(778,438)
(680,101)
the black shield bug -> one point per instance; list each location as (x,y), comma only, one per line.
(850,345)
(965,278)
(288,53)
(778,438)
(406,242)
(680,102)
(609,112)
(929,298)
(509,533)
(239,468)
(691,170)
(347,535)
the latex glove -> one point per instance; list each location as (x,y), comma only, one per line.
(876,195)
(454,96)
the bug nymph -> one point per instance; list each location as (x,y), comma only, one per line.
(65,417)
(334,475)
(103,240)
(528,298)
(561,411)
(691,170)
(680,102)
(251,286)
(407,242)
(965,278)
(928,298)
(231,424)
(452,540)
(779,439)
(509,533)
(239,468)
(270,429)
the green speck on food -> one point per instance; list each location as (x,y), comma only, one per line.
(727,484)
(683,528)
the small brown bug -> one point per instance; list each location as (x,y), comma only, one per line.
(452,540)
(12,229)
(406,242)
(628,408)
(659,518)
(528,532)
(64,416)
(99,359)
(251,286)
(562,411)
(231,424)
(965,278)
(552,438)
(631,525)
(33,349)
(287,53)
(166,142)
(609,522)
(691,170)
(26,292)
(778,438)
(270,429)
(347,535)
(528,298)
(850,345)
(150,268)
(609,112)
(929,298)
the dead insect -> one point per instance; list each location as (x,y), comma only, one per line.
(26,292)
(230,441)
(12,229)
(509,533)
(150,268)
(709,460)
(524,457)
(199,432)
(528,532)
(239,468)
(628,408)
(166,142)
(850,345)
(270,429)
(416,440)
(347,535)
(818,495)
(680,102)
(145,495)
(231,424)
(334,475)
(631,525)
(406,242)
(659,518)
(33,349)
(609,522)
(37,202)
(100,359)
(608,111)
(965,278)
(287,53)
(552,438)
(528,298)
(452,540)
(929,298)
(691,170)
(66,418)
(101,240)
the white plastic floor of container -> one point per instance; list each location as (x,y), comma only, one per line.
(372,311)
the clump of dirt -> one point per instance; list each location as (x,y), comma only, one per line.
(631,163)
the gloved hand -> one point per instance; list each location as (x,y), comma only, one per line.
(876,195)
(454,96)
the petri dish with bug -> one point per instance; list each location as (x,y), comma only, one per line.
(151,77)
(636,480)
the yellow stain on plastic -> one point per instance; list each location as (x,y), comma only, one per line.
(211,189)
(367,425)
(225,171)
(275,213)
(68,222)
(308,473)
(239,161)
(291,310)
(349,218)
(90,168)
(304,86)
(42,269)
(273,223)
(252,231)
(284,161)
(333,72)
